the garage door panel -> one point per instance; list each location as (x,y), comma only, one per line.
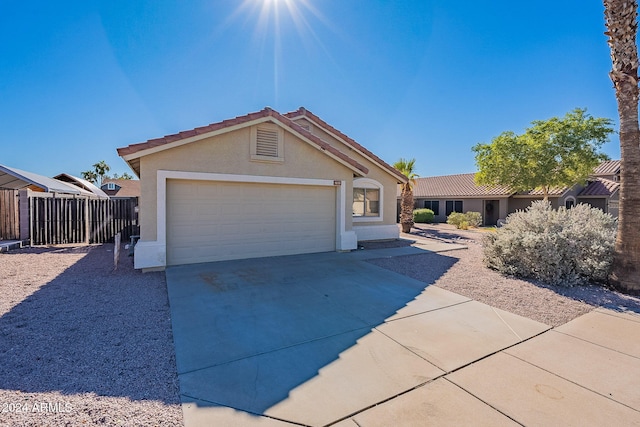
(212,221)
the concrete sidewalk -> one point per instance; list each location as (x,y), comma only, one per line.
(327,339)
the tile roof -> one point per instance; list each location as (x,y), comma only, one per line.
(240,120)
(128,187)
(600,187)
(553,192)
(462,185)
(303,112)
(608,167)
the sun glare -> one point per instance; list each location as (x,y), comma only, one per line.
(273,18)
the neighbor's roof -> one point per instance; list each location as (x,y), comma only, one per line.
(461,185)
(133,152)
(82,183)
(15,179)
(608,167)
(303,112)
(128,187)
(600,187)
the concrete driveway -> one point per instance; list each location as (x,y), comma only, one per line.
(329,339)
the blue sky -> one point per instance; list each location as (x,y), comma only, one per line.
(426,79)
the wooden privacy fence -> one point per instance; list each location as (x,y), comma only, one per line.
(55,221)
(9,215)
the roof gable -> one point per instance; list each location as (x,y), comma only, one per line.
(600,187)
(304,113)
(124,187)
(132,153)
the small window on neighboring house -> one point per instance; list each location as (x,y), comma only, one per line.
(453,206)
(569,202)
(434,205)
(267,143)
(111,186)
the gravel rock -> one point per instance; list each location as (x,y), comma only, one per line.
(466,275)
(82,343)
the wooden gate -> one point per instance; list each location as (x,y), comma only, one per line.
(9,215)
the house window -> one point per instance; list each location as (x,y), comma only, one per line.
(367,200)
(111,186)
(569,202)
(434,205)
(453,206)
(267,143)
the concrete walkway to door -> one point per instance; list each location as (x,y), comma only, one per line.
(330,339)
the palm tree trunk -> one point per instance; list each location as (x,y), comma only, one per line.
(621,20)
(406,208)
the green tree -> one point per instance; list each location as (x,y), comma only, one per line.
(116,176)
(90,176)
(621,18)
(559,152)
(406,167)
(98,174)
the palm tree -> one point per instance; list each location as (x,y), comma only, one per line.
(101,168)
(406,198)
(622,27)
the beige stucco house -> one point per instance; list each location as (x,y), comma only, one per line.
(460,193)
(263,184)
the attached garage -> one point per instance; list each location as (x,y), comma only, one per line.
(259,185)
(218,220)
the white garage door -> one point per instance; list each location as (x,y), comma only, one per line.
(215,221)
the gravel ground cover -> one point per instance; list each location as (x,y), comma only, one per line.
(466,275)
(82,343)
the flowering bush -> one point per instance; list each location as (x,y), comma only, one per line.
(465,220)
(564,246)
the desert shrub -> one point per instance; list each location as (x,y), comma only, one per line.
(423,216)
(564,246)
(465,220)
(473,218)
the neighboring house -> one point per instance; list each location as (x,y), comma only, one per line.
(16,179)
(258,185)
(121,188)
(460,193)
(81,183)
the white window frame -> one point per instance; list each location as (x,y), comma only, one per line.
(254,142)
(111,186)
(371,184)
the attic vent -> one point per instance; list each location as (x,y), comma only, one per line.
(267,142)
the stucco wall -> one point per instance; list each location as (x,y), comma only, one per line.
(229,153)
(376,173)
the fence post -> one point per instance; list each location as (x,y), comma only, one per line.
(116,250)
(87,221)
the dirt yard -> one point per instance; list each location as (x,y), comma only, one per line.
(552,305)
(83,344)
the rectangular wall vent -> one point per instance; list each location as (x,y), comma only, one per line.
(267,142)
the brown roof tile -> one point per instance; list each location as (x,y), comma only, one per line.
(128,187)
(462,185)
(609,167)
(266,112)
(327,127)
